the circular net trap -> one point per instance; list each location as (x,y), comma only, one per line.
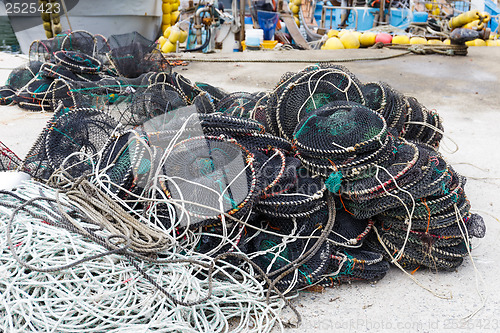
(124,163)
(216,94)
(208,178)
(437,232)
(343,140)
(438,249)
(423,125)
(269,114)
(391,104)
(293,254)
(77,62)
(132,54)
(311,91)
(238,104)
(416,173)
(70,141)
(304,196)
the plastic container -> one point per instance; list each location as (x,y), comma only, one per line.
(491,8)
(420,17)
(269,44)
(253,37)
(267,22)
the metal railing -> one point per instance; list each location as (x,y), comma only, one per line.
(331,9)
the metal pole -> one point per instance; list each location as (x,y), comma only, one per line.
(66,13)
(242,22)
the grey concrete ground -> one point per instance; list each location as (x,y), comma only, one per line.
(466,92)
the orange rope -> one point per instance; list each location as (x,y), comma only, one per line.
(428,216)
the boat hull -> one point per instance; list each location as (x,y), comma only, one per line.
(97,17)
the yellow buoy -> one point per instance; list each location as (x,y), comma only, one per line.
(418,40)
(357,34)
(295,9)
(297,21)
(161,41)
(166,8)
(166,32)
(175,35)
(168,47)
(476,42)
(166,18)
(476,25)
(333,43)
(297,2)
(342,32)
(332,33)
(401,39)
(350,40)
(464,18)
(174,17)
(183,37)
(434,42)
(447,41)
(367,39)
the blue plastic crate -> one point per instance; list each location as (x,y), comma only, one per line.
(491,8)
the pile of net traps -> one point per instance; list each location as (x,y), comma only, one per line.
(161,204)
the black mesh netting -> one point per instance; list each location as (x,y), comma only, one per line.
(206,175)
(423,125)
(132,55)
(321,180)
(8,159)
(73,138)
(73,64)
(239,104)
(388,102)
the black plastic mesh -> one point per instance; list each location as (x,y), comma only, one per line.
(312,91)
(132,55)
(22,75)
(356,265)
(238,104)
(423,125)
(273,252)
(8,159)
(204,175)
(6,95)
(215,93)
(79,133)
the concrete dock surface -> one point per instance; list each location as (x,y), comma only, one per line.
(466,93)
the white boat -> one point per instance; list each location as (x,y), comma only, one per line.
(109,17)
